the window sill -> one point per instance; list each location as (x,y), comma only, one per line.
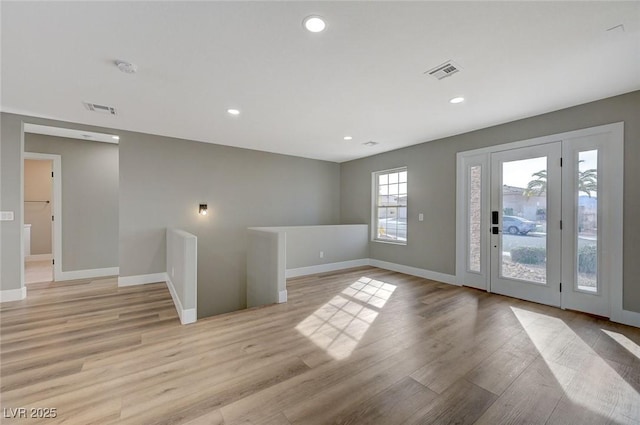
(389,242)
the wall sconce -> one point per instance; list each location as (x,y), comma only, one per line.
(203,209)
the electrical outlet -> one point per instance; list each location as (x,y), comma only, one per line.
(321,254)
(6,215)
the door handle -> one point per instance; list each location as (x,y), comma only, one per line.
(495,230)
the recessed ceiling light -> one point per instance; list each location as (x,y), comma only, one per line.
(457,100)
(233,111)
(127,67)
(348,138)
(115,137)
(314,23)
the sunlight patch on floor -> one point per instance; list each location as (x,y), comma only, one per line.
(562,349)
(370,291)
(338,326)
(629,345)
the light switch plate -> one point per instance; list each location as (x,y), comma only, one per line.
(6,215)
(421,217)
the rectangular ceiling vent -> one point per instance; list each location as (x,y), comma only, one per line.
(101,109)
(445,70)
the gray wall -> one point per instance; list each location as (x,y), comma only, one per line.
(162,181)
(37,187)
(89,199)
(11,164)
(432,185)
(266,264)
(338,244)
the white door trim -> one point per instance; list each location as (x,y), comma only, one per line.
(56,245)
(618,314)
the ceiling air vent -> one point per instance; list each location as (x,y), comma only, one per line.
(370,143)
(445,70)
(101,109)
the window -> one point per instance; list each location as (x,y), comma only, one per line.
(390,205)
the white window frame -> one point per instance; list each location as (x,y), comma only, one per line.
(374,205)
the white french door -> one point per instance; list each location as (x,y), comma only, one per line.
(525,223)
(541,220)
(590,244)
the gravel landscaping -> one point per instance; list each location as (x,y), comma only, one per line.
(537,273)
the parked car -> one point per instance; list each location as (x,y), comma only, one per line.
(516,225)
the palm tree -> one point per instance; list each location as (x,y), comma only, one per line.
(587,182)
(537,186)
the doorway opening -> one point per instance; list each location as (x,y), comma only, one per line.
(532,223)
(82,242)
(38,220)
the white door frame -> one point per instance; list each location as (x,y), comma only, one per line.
(614,215)
(56,245)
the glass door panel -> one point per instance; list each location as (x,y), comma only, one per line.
(587,221)
(524,221)
(475,219)
(525,234)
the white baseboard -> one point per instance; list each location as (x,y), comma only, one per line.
(282,296)
(13,295)
(324,268)
(627,317)
(142,279)
(189,316)
(38,257)
(87,274)
(414,271)
(186,316)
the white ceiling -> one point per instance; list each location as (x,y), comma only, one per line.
(301,93)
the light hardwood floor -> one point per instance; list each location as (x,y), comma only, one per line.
(365,346)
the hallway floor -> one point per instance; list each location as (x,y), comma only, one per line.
(38,271)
